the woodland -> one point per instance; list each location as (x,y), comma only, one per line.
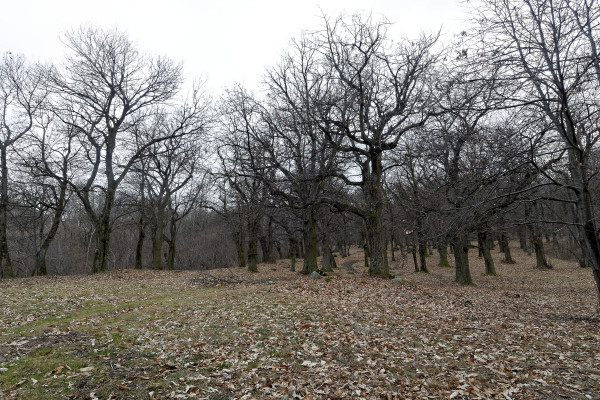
(464,167)
(109,160)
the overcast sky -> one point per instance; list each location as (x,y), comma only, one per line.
(225,41)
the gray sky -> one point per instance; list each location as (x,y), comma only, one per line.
(224,41)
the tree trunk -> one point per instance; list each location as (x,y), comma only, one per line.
(342,248)
(157,238)
(490,269)
(392,238)
(310,242)
(101,253)
(40,258)
(523,239)
(422,245)
(241,247)
(373,193)
(540,254)
(139,248)
(413,251)
(6,269)
(172,242)
(253,226)
(264,248)
(270,257)
(538,247)
(589,244)
(423,255)
(443,251)
(461,259)
(378,262)
(506,248)
(293,251)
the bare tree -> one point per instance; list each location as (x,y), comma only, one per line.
(242,165)
(549,47)
(107,88)
(22,93)
(382,94)
(170,169)
(48,163)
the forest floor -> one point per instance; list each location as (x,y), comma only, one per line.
(229,334)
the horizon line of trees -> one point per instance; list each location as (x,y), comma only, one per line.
(353,137)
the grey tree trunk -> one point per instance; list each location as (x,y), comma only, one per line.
(40,257)
(461,259)
(310,242)
(374,197)
(253,226)
(103,228)
(523,239)
(443,252)
(157,239)
(6,269)
(293,252)
(241,247)
(506,249)
(378,262)
(490,268)
(413,251)
(172,243)
(585,215)
(139,247)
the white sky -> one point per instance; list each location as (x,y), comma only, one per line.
(225,41)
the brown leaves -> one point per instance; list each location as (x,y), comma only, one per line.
(122,386)
(517,336)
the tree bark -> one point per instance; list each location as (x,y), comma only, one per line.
(423,256)
(490,268)
(40,257)
(293,252)
(6,269)
(157,238)
(585,214)
(461,259)
(443,251)
(378,262)
(172,243)
(241,247)
(413,251)
(310,242)
(103,231)
(506,249)
(523,239)
(139,247)
(372,189)
(253,226)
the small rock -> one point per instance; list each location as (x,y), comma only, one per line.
(273,269)
(285,266)
(397,280)
(270,282)
(314,275)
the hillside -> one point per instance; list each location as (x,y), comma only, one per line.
(220,334)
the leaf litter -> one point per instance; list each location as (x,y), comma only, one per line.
(526,334)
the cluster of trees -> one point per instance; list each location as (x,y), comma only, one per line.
(353,137)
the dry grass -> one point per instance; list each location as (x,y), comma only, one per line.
(230,334)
